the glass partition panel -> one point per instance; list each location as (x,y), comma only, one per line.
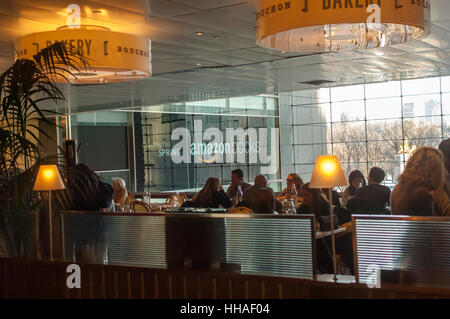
(412,249)
(258,244)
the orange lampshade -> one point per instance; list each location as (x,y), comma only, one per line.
(327,173)
(48,179)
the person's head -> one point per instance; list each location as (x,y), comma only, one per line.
(424,168)
(310,196)
(294,178)
(264,201)
(444,147)
(118,184)
(260,181)
(212,184)
(237,177)
(376,175)
(356,179)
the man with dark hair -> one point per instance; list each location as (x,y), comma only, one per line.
(441,196)
(237,179)
(373,198)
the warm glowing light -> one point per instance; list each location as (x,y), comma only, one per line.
(48,178)
(199,33)
(48,173)
(328,167)
(327,173)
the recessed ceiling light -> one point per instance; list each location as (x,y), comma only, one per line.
(199,33)
(199,64)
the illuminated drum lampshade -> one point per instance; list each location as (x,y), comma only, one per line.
(112,56)
(338,25)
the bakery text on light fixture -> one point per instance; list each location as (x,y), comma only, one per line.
(338,25)
(112,56)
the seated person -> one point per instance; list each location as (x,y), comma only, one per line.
(120,192)
(314,203)
(249,199)
(264,201)
(292,179)
(88,191)
(237,178)
(423,174)
(373,198)
(211,195)
(356,180)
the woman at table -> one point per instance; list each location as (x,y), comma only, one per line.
(212,195)
(356,180)
(314,203)
(423,174)
(120,192)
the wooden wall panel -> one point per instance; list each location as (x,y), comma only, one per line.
(26,279)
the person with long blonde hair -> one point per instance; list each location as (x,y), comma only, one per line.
(212,195)
(423,174)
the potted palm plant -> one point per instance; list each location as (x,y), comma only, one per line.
(24,88)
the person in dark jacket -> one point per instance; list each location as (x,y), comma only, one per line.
(251,201)
(89,192)
(212,195)
(356,180)
(373,198)
(424,173)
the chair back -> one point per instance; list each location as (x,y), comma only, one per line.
(140,207)
(240,210)
(129,199)
(181,198)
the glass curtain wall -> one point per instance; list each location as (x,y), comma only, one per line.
(365,125)
(183,144)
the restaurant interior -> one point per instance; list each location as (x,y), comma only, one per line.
(224,149)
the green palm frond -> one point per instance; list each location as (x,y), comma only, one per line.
(24,88)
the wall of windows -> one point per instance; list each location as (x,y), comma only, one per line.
(220,135)
(365,125)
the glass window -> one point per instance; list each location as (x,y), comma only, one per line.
(380,90)
(385,151)
(384,108)
(445,84)
(347,93)
(310,96)
(310,134)
(350,152)
(422,105)
(311,114)
(349,132)
(422,129)
(384,130)
(348,111)
(446,103)
(421,86)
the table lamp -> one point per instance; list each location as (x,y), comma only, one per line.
(48,179)
(328,173)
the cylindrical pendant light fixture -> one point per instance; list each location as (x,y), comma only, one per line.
(338,25)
